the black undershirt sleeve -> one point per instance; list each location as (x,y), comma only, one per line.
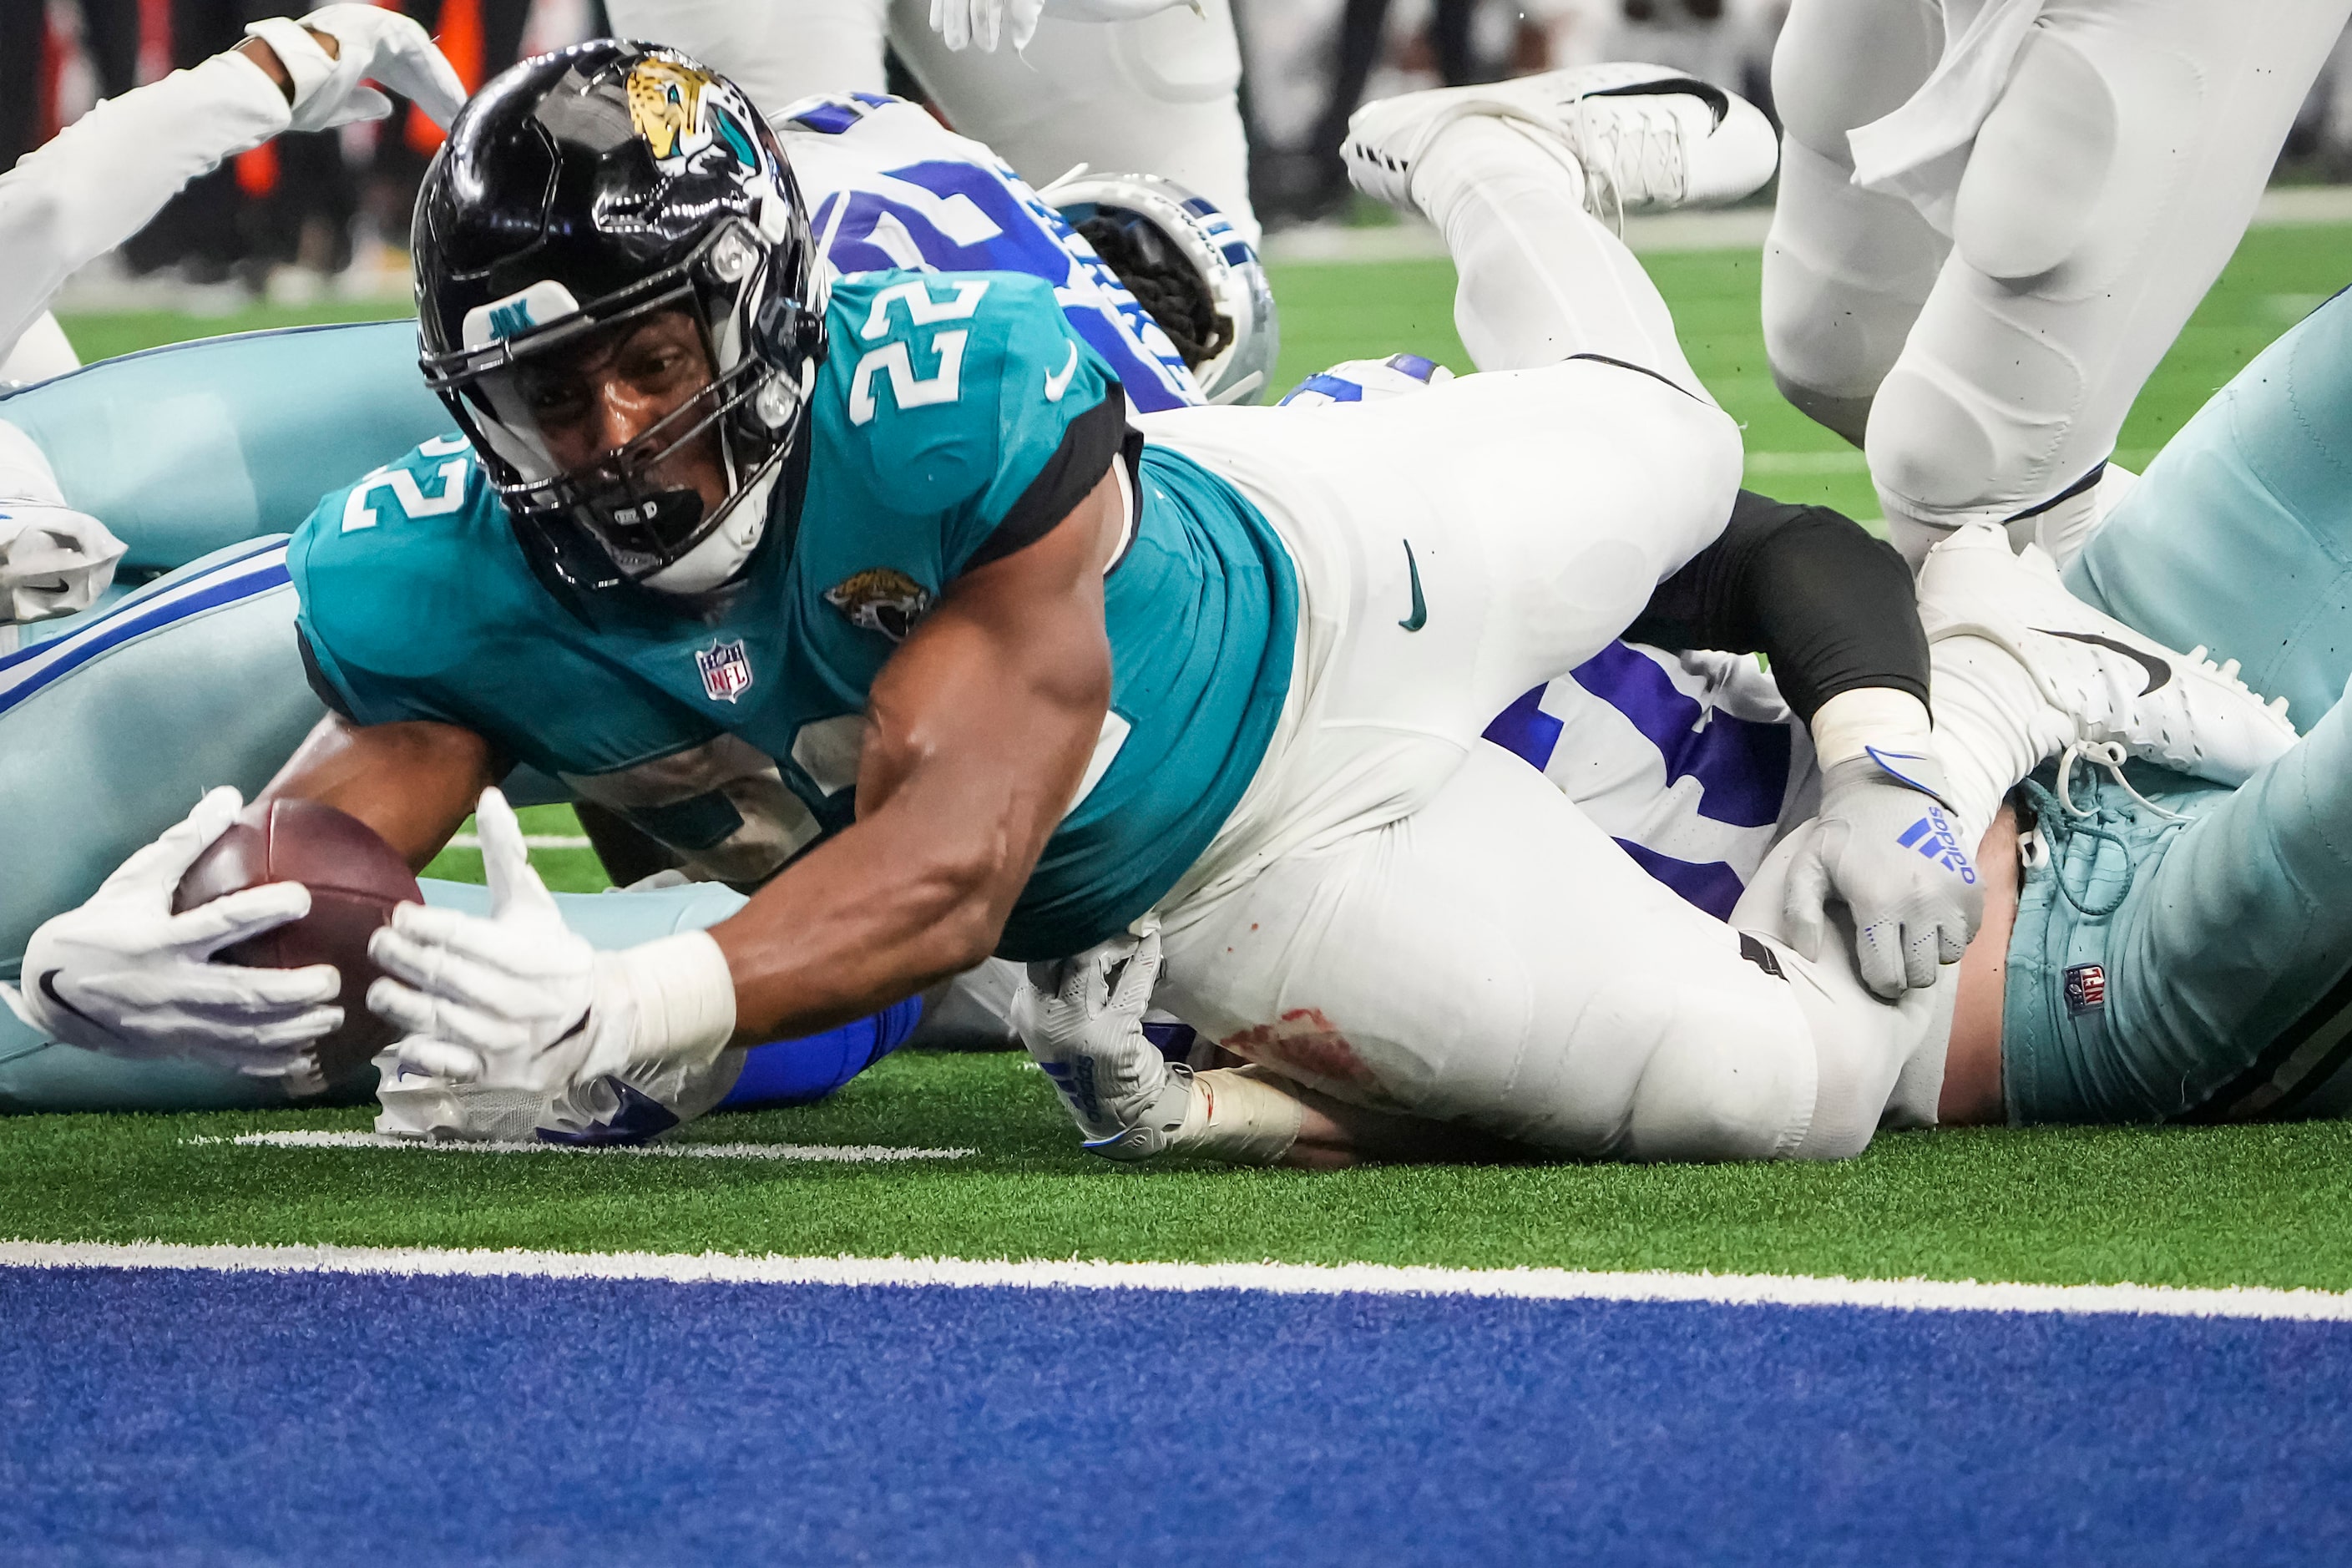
(1069,476)
(1830,607)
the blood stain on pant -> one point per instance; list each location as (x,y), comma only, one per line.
(1308,1043)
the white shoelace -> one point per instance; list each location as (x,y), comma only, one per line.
(2107,754)
(1637,145)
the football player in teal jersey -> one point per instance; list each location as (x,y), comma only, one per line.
(871,602)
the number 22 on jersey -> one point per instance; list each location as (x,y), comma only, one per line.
(896,360)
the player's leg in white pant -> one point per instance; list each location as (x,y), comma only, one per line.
(1540,278)
(1494,959)
(777,51)
(1435,922)
(1845,270)
(1158,96)
(2053,306)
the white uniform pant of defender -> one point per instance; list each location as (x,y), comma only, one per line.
(1995,310)
(1403,916)
(1156,96)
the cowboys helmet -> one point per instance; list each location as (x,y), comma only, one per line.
(1191,268)
(580,194)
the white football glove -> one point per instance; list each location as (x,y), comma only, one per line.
(54,560)
(124,975)
(519,1000)
(328,91)
(1082,1019)
(963,23)
(1884,843)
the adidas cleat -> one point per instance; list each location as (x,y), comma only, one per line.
(1647,138)
(2109,683)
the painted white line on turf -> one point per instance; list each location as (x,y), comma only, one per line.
(1277,1278)
(529,841)
(834,1153)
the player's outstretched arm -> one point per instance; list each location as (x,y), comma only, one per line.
(978,732)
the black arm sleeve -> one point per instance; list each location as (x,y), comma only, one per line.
(1832,607)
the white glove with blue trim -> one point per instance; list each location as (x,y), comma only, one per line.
(1887,845)
(1082,1019)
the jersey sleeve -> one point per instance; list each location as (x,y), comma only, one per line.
(1061,414)
(967,399)
(380,570)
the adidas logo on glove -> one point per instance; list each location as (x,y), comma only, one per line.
(1932,837)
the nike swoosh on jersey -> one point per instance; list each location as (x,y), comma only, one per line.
(1420,616)
(1057,385)
(2159,671)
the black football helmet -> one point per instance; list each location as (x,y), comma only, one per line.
(578,192)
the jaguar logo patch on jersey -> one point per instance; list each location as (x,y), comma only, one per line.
(725,670)
(880,599)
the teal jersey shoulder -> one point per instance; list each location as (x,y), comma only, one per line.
(955,419)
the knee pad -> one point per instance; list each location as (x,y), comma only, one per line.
(1930,456)
(2026,203)
(1844,63)
(1844,273)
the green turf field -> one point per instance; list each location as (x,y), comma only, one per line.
(2255,1205)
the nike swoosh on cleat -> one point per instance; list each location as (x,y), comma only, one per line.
(1057,385)
(1420,616)
(2159,671)
(1718,102)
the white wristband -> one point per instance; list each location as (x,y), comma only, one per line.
(1243,1115)
(672,999)
(1869,716)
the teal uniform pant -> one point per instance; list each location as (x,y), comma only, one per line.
(2197,970)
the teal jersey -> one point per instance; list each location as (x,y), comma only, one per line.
(956,418)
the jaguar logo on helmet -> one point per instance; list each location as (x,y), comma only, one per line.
(880,599)
(678,109)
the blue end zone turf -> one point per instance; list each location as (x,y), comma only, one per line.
(320,1418)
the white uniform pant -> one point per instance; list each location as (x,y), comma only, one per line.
(1990,332)
(1403,916)
(1158,96)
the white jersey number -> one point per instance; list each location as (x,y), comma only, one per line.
(898,360)
(413,502)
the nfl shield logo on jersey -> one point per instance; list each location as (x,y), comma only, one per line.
(725,670)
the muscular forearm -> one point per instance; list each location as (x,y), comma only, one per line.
(1832,607)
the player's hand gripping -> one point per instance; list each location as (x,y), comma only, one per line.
(1885,845)
(54,560)
(963,23)
(520,1001)
(124,975)
(1082,1019)
(371,43)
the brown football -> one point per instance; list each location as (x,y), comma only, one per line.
(354,878)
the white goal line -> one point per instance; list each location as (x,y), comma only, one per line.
(1277,1278)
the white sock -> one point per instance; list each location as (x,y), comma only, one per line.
(1993,727)
(1541,278)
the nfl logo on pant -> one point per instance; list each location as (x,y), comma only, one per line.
(2087,988)
(725,670)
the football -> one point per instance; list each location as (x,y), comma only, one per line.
(355,879)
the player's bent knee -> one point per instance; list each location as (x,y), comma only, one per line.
(1729,1087)
(1930,456)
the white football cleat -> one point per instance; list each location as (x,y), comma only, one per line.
(2112,684)
(1647,138)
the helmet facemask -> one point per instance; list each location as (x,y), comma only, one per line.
(707,347)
